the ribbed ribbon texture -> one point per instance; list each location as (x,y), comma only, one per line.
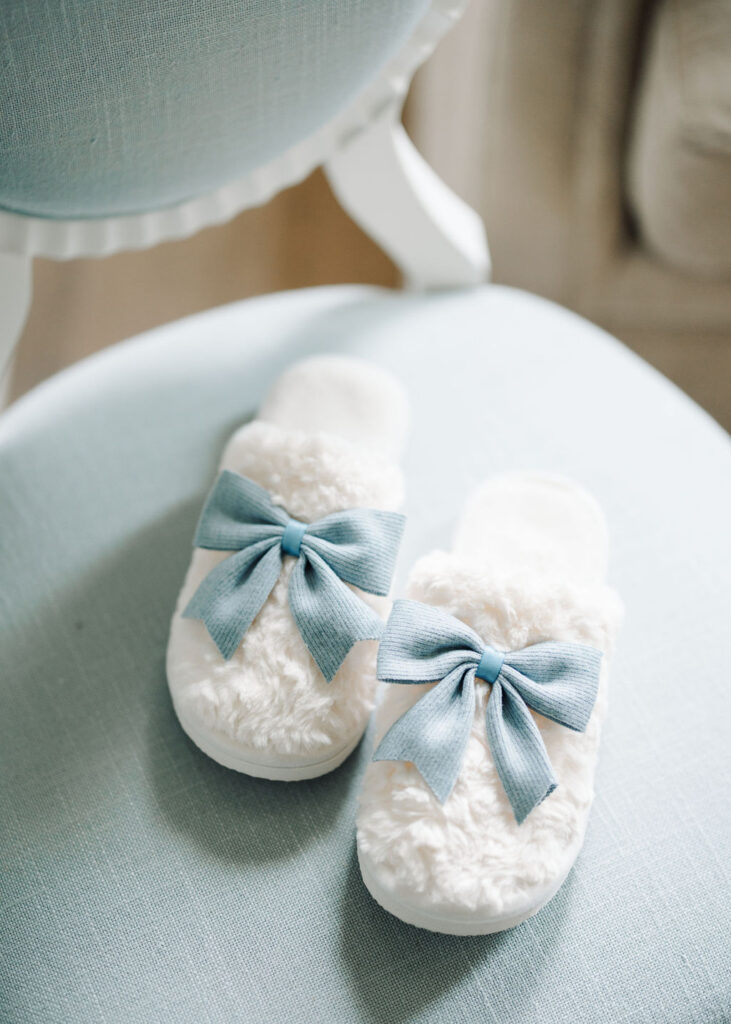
(422,644)
(357,546)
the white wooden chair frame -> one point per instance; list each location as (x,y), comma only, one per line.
(377,174)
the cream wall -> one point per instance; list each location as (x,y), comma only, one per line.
(530,110)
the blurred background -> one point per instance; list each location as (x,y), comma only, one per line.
(594,137)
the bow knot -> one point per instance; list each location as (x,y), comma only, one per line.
(422,644)
(356,546)
(489,665)
(292,536)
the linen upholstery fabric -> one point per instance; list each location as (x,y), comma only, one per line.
(114,107)
(143,882)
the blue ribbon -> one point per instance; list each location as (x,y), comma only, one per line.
(422,644)
(357,546)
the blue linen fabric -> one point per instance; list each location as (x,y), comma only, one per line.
(121,106)
(142,882)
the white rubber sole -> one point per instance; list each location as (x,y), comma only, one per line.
(228,754)
(465,923)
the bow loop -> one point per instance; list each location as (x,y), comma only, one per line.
(237,513)
(558,680)
(423,643)
(342,537)
(357,546)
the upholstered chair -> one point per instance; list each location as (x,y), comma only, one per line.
(140,880)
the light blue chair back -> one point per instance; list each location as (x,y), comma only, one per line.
(124,123)
(122,106)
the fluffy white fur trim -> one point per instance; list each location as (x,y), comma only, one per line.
(270,698)
(469,854)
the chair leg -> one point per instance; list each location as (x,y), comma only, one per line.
(386,186)
(15,292)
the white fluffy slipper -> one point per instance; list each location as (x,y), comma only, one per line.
(459,853)
(247,687)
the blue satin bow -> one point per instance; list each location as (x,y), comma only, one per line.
(357,546)
(559,680)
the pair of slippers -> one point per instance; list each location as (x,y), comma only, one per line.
(474,807)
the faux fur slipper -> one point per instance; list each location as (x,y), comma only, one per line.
(474,808)
(294,555)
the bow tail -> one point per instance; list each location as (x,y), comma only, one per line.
(329,616)
(433,734)
(518,750)
(232,595)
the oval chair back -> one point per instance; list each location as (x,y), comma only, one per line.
(126,124)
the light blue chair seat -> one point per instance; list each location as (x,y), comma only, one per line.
(143,882)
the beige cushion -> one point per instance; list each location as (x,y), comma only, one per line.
(680,156)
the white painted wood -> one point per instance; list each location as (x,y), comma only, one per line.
(387,187)
(16,276)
